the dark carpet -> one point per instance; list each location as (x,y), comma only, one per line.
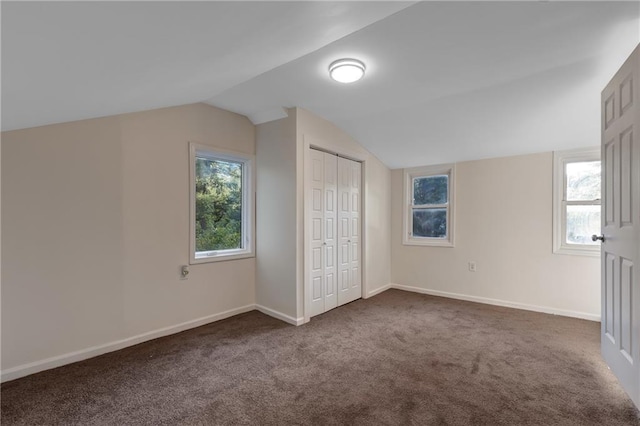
(396,359)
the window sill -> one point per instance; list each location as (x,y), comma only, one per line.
(427,242)
(221,257)
(578,251)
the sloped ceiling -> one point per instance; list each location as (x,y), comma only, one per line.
(446,81)
(64,61)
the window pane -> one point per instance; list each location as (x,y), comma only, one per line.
(431,223)
(218,205)
(430,190)
(582,223)
(583,181)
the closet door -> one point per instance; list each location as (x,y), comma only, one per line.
(322,251)
(349,206)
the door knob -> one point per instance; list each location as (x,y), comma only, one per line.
(595,237)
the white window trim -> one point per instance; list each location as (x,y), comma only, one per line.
(560,159)
(409,175)
(248,199)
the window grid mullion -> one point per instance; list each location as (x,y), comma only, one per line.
(583,203)
(429,206)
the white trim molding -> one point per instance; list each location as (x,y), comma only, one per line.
(248,220)
(71,357)
(279,315)
(378,290)
(498,302)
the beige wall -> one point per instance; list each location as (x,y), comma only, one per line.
(503,222)
(276,216)
(95,227)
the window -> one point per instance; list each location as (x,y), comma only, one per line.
(428,205)
(221,205)
(576,201)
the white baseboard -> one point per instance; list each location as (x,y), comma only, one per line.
(68,358)
(498,302)
(58,361)
(378,290)
(280,315)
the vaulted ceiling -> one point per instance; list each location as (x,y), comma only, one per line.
(445,81)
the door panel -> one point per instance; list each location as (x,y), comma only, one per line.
(608,299)
(349,176)
(344,256)
(626,180)
(330,289)
(330,259)
(344,229)
(626,308)
(620,250)
(626,94)
(316,285)
(330,228)
(608,184)
(344,283)
(316,229)
(330,195)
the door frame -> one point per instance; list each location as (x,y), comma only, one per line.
(311,142)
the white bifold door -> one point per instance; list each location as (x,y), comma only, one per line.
(333,248)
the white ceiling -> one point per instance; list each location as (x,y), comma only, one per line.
(64,61)
(446,81)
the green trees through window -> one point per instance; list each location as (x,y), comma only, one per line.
(218,209)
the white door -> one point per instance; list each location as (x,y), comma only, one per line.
(333,243)
(349,204)
(322,251)
(620,226)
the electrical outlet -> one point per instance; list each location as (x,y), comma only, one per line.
(472,266)
(184,272)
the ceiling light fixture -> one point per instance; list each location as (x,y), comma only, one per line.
(346,70)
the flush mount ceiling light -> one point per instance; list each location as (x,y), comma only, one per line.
(346,70)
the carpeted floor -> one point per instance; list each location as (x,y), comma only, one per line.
(397,358)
